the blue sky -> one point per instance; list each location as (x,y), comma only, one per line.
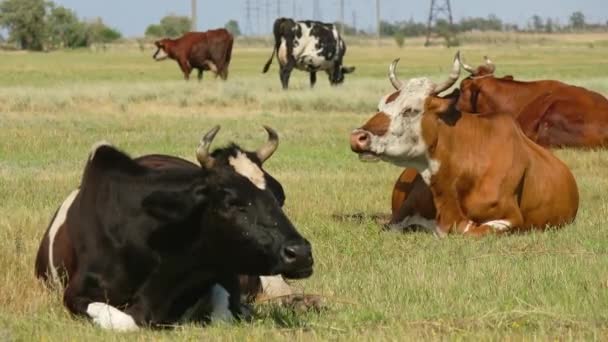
(132,17)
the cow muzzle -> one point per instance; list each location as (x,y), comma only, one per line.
(297,261)
(360,143)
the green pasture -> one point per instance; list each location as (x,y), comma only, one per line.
(376,285)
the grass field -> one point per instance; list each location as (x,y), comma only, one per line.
(378,286)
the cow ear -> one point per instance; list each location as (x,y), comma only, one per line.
(173,205)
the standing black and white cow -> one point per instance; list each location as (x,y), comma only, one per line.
(158,238)
(308,46)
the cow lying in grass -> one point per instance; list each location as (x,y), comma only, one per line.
(485,175)
(157,240)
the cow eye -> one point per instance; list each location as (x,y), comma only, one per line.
(407,111)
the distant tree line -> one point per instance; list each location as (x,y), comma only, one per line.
(411,28)
(41,25)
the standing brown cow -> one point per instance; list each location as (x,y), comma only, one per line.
(209,50)
(551,113)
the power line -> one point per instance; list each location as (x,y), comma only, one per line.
(193,15)
(378,19)
(342,17)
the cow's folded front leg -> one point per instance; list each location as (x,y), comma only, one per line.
(87,301)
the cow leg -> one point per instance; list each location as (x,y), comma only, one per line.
(313,78)
(494,210)
(186,68)
(212,67)
(84,298)
(200,74)
(285,72)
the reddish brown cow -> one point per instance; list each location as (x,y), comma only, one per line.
(551,113)
(210,50)
(485,175)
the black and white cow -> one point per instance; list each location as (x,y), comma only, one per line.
(308,46)
(154,240)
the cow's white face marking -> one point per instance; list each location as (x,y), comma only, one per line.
(415,221)
(96,146)
(59,220)
(220,304)
(402,144)
(499,225)
(248,169)
(109,317)
(275,286)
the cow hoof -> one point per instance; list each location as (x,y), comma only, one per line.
(110,318)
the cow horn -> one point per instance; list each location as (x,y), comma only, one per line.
(465,66)
(392,77)
(266,150)
(454,75)
(490,64)
(202,152)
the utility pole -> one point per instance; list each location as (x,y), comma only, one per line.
(316,11)
(378,19)
(193,15)
(438,8)
(248,22)
(278,8)
(257,15)
(268,20)
(341,17)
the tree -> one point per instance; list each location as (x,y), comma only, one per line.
(64,28)
(233,27)
(170,26)
(154,30)
(537,23)
(577,20)
(25,21)
(98,32)
(549,25)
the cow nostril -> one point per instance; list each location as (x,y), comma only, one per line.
(363,137)
(289,254)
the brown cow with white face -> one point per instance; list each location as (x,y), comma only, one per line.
(484,173)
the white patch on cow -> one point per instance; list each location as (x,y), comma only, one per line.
(499,225)
(248,169)
(469,225)
(212,67)
(96,146)
(306,54)
(403,144)
(59,220)
(414,221)
(110,318)
(434,165)
(282,53)
(220,304)
(275,286)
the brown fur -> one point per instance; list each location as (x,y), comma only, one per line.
(200,50)
(378,124)
(551,113)
(411,196)
(489,170)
